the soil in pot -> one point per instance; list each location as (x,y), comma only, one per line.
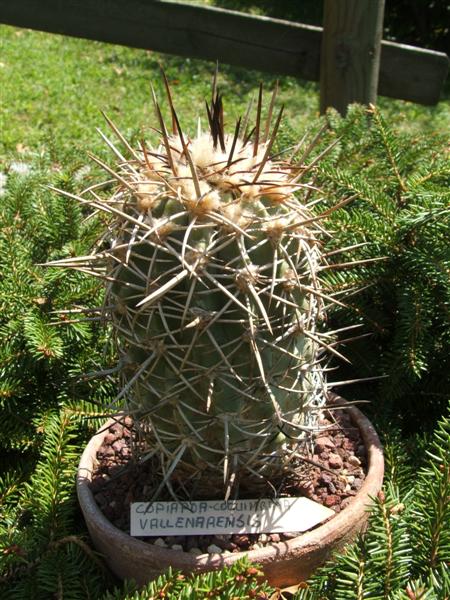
(332,476)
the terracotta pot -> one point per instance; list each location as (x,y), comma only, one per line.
(284,563)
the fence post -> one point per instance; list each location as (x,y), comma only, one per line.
(350,52)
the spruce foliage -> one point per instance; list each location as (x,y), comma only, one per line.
(241,581)
(39,359)
(43,553)
(401,212)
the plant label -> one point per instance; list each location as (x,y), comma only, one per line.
(225,517)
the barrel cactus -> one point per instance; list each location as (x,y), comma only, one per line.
(212,263)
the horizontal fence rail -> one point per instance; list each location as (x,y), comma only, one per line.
(255,42)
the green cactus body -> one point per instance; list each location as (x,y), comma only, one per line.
(214,297)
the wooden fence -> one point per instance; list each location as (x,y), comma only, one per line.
(255,42)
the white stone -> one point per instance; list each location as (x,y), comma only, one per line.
(160,542)
(81,173)
(3,180)
(20,168)
(177,547)
(213,549)
(195,551)
(350,478)
(354,461)
(263,537)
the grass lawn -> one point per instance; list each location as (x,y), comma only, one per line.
(54,87)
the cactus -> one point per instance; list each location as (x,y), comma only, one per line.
(214,297)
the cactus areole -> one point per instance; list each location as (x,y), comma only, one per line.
(214,298)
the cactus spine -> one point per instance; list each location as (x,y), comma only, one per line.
(214,297)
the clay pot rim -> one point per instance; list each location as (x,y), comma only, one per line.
(334,527)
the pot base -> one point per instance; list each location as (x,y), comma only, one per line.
(284,563)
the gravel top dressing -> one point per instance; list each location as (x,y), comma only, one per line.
(331,476)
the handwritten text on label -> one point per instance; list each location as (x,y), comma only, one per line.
(220,516)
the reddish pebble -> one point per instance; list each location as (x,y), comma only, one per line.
(357,483)
(118,445)
(106,451)
(322,444)
(354,461)
(348,445)
(335,461)
(342,453)
(241,540)
(325,478)
(331,500)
